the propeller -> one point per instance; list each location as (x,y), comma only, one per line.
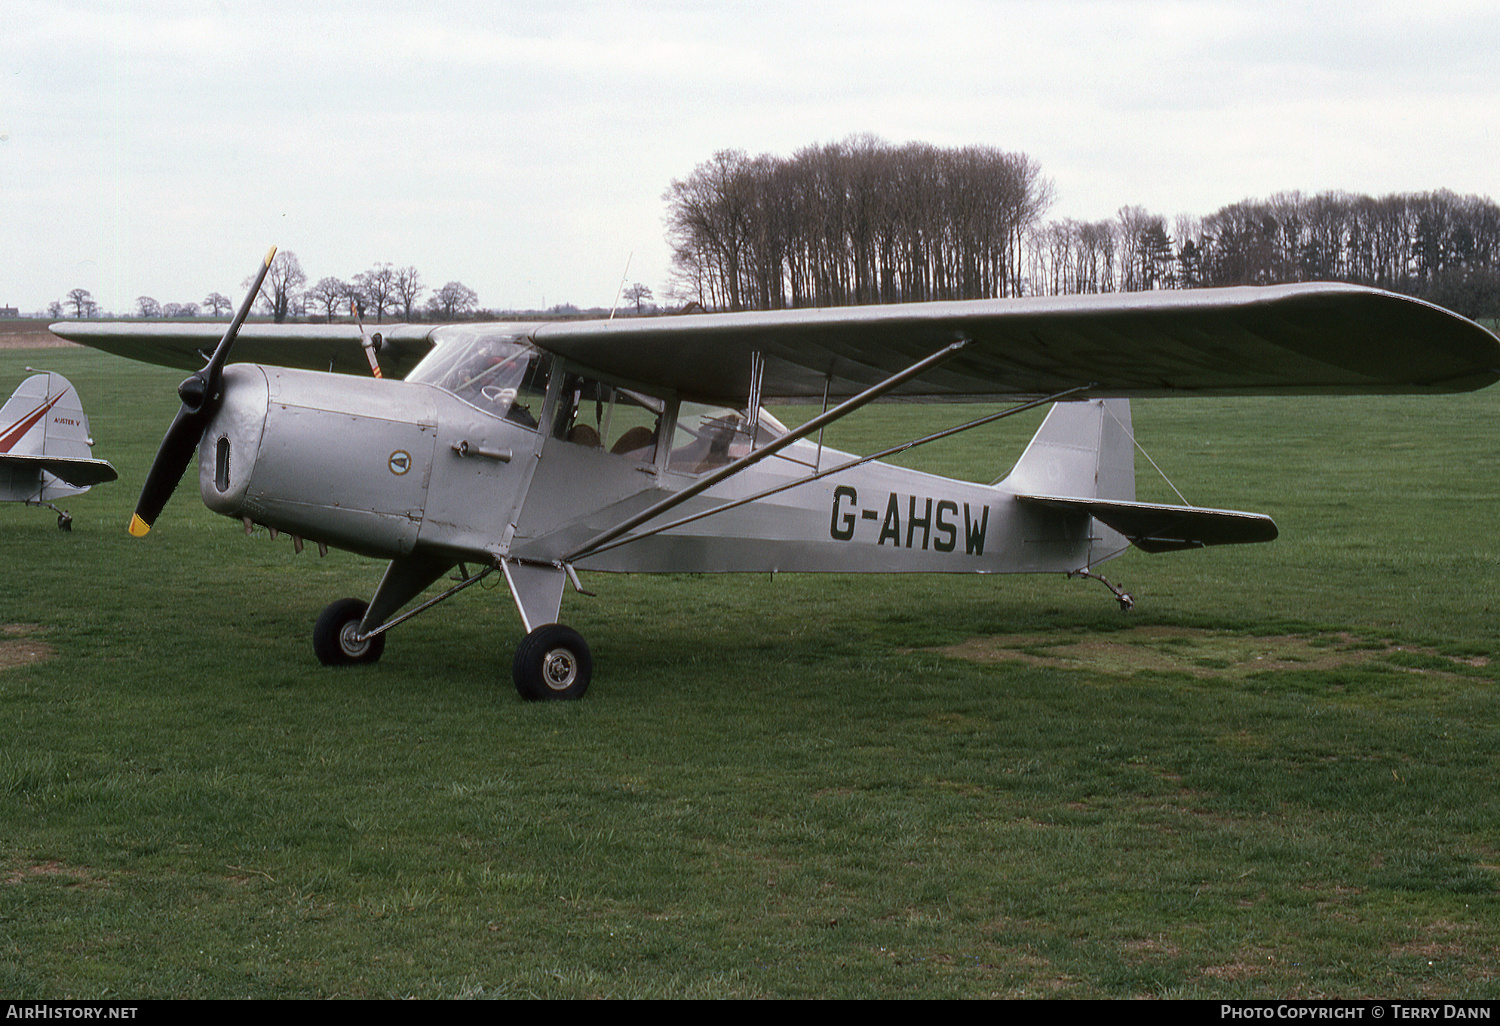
(371,343)
(201,395)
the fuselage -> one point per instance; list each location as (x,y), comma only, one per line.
(502,452)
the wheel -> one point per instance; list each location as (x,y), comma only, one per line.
(64,522)
(334,635)
(552,663)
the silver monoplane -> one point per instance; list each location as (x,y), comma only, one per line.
(536,450)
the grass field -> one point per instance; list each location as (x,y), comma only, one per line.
(1276,777)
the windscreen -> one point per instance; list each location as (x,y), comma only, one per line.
(496,372)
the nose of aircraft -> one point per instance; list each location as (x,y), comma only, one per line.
(200,395)
(230,443)
(332,458)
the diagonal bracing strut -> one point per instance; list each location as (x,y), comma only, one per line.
(846,465)
(731,469)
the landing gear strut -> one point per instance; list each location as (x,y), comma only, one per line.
(64,518)
(552,663)
(1126,600)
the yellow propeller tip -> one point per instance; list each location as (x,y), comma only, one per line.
(138,527)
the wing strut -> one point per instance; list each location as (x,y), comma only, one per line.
(729,470)
(460,586)
(858,461)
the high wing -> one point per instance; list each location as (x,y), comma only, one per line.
(1276,340)
(1289,340)
(77,471)
(324,347)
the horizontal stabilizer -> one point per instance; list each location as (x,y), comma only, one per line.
(77,471)
(1157,528)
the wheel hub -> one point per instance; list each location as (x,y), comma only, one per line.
(350,641)
(559,669)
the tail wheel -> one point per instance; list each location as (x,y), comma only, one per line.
(553,663)
(336,637)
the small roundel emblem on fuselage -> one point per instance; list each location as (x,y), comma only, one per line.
(400,462)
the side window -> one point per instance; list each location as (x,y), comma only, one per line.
(600,416)
(707,437)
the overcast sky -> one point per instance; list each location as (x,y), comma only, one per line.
(157,148)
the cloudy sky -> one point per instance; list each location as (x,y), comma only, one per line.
(154,147)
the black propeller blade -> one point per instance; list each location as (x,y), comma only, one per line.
(200,396)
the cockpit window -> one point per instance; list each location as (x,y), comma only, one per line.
(600,416)
(498,373)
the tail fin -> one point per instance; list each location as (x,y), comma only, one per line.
(1084,450)
(44,417)
(43,429)
(1082,460)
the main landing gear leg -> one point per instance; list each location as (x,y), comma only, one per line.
(552,662)
(340,637)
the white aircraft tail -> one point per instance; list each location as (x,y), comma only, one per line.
(44,417)
(1083,449)
(44,439)
(1082,460)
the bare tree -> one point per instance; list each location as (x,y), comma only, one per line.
(218,303)
(406,286)
(453,299)
(707,219)
(145,306)
(331,295)
(282,282)
(637,294)
(82,302)
(377,290)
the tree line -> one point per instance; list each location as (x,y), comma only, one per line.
(854,222)
(863,221)
(383,288)
(285,293)
(1437,246)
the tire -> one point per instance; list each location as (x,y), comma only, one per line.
(553,663)
(334,635)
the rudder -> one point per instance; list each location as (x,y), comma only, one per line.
(1082,449)
(44,417)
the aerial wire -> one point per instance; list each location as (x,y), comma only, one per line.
(621,290)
